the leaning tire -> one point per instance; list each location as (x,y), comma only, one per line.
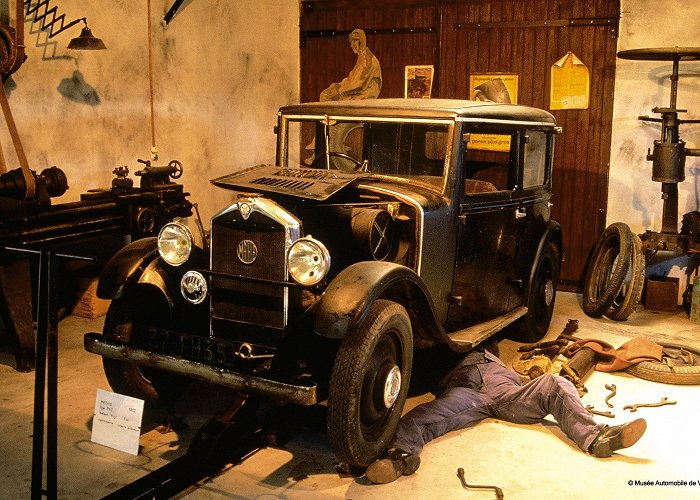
(152,385)
(607,269)
(369,384)
(543,291)
(677,374)
(631,291)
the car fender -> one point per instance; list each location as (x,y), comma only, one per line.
(345,303)
(127,265)
(138,263)
(552,234)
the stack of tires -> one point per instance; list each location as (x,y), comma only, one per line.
(613,288)
(615,274)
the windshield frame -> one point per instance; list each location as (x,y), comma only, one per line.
(284,119)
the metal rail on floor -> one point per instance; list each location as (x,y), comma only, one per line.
(228,439)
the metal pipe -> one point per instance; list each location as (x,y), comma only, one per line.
(674,83)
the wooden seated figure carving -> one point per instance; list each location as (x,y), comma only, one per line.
(364,80)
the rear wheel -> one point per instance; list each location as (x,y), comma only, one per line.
(543,291)
(124,322)
(369,384)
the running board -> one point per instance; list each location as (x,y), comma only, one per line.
(470,337)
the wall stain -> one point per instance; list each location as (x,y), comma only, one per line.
(629,152)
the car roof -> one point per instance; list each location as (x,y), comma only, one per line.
(423,108)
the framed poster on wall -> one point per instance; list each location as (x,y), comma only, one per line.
(492,87)
(418,81)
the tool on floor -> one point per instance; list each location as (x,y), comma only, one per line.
(592,411)
(540,355)
(549,348)
(578,366)
(499,491)
(580,363)
(664,401)
(613,391)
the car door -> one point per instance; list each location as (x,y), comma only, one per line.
(486,266)
(534,207)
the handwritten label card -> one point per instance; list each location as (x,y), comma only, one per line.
(117,421)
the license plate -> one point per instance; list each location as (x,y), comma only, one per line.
(203,350)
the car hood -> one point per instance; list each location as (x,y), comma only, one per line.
(310,183)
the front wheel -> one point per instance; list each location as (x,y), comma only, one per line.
(124,322)
(543,291)
(369,384)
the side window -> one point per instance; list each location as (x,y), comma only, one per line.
(534,172)
(489,163)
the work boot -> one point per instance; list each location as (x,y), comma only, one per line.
(396,463)
(617,437)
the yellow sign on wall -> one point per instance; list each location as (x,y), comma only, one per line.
(570,83)
(493,87)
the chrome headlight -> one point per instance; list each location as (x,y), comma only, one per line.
(308,261)
(175,243)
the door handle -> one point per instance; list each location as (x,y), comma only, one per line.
(520,213)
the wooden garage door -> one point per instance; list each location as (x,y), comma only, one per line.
(461,38)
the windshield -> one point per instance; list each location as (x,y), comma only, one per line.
(408,150)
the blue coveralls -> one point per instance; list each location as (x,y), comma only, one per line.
(480,387)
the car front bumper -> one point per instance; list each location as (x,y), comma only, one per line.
(297,391)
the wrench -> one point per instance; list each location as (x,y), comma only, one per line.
(601,413)
(613,391)
(499,491)
(664,401)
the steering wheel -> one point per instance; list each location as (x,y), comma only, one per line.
(358,163)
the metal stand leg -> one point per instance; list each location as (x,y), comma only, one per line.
(46,383)
(46,374)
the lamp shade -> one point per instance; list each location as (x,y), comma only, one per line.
(86,41)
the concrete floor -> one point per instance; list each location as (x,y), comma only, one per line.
(525,461)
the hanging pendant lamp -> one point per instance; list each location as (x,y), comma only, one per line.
(86,40)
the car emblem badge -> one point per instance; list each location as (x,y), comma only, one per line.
(247,252)
(245,210)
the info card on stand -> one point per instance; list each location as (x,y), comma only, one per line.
(117,421)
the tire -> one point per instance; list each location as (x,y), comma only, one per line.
(150,384)
(607,269)
(659,371)
(540,302)
(360,423)
(631,292)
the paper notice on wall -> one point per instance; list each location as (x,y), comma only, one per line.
(117,421)
(570,83)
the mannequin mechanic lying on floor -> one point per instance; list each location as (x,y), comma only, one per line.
(482,386)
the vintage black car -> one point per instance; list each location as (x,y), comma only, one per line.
(385,227)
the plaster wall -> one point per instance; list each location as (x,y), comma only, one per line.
(640,86)
(221,69)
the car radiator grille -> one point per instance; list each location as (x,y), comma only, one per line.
(244,301)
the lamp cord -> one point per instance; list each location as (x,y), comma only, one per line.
(154,149)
